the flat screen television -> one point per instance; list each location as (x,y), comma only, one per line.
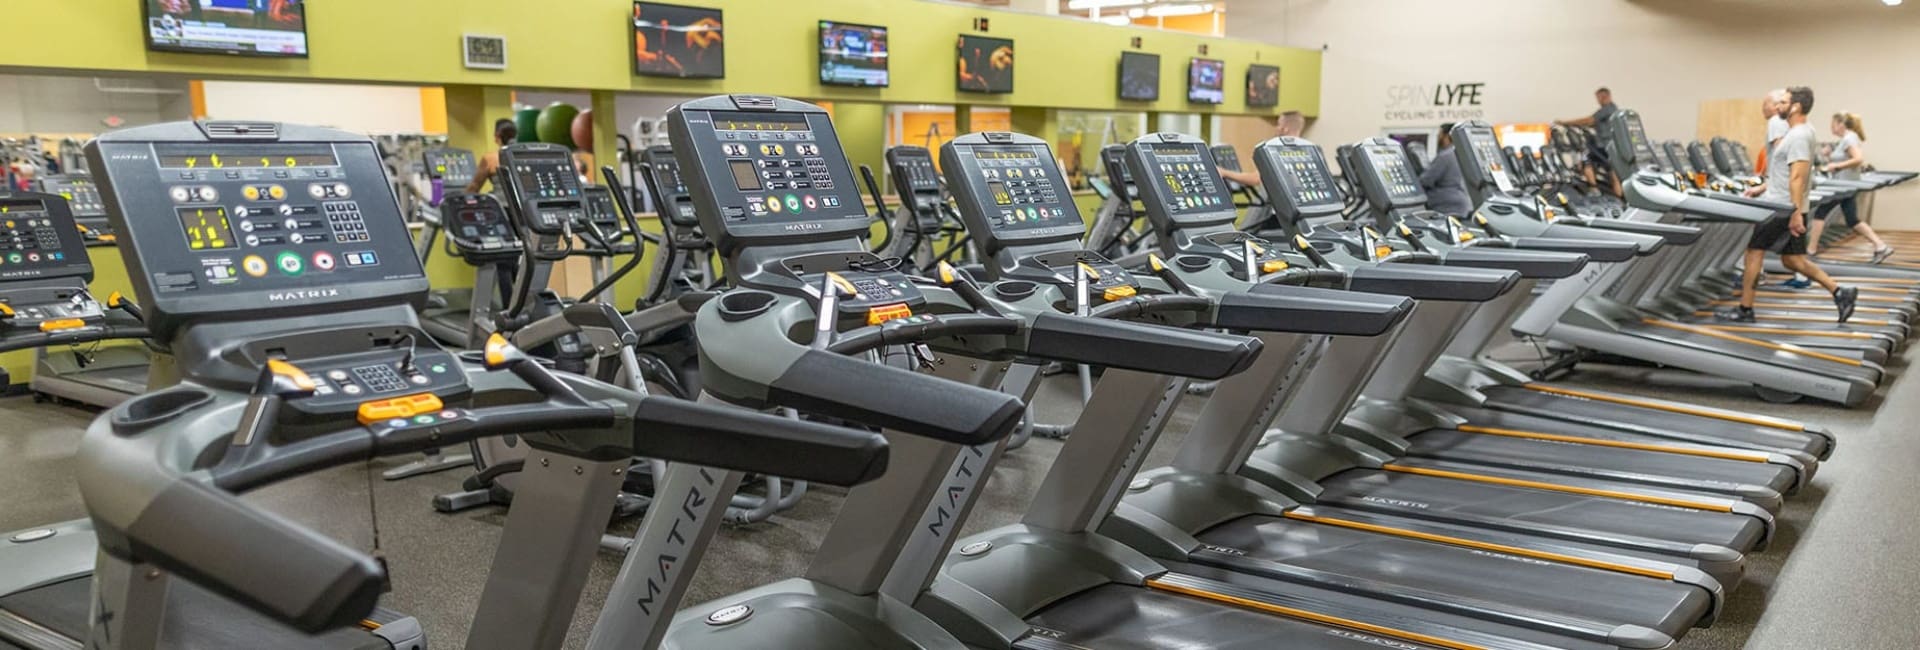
(985,65)
(1139,76)
(678,41)
(1207,81)
(1263,85)
(853,55)
(276,28)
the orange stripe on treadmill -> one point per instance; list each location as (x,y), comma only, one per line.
(1800,307)
(1790,294)
(369,624)
(1741,339)
(1807,319)
(1556,487)
(1484,546)
(1315,617)
(1867,279)
(1788,332)
(1750,457)
(1773,423)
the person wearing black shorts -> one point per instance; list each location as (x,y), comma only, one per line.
(1789,176)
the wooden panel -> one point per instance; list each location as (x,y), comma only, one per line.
(1245,133)
(1734,119)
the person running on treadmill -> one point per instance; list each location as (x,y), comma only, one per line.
(1789,177)
(1773,106)
(1446,188)
(1291,123)
(1848,156)
(1597,157)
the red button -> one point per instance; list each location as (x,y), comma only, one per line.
(323,260)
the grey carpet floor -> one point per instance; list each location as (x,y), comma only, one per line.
(1845,572)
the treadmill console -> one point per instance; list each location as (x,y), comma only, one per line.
(1482,162)
(89,213)
(479,227)
(1114,158)
(786,179)
(1386,174)
(1295,171)
(544,186)
(1228,159)
(1631,150)
(454,168)
(1004,184)
(38,239)
(1182,180)
(673,202)
(917,183)
(600,211)
(226,218)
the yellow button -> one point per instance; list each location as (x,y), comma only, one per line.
(398,407)
(884,313)
(62,324)
(1122,291)
(252,193)
(290,371)
(277,192)
(1382,251)
(1273,266)
(5,310)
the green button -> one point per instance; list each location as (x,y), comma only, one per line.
(438,369)
(793,204)
(423,419)
(14,258)
(289,263)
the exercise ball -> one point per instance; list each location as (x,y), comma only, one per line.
(555,124)
(526,119)
(583,130)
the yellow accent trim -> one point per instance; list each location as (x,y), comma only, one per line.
(61,324)
(1300,242)
(114,299)
(947,274)
(5,310)
(1316,617)
(1791,349)
(197,96)
(300,377)
(1273,266)
(842,283)
(1864,279)
(1119,292)
(1772,423)
(1484,546)
(496,350)
(884,313)
(1556,487)
(1745,456)
(398,407)
(1153,261)
(1091,273)
(1787,332)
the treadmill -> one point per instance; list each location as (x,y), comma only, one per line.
(1201,512)
(1468,377)
(95,375)
(1598,312)
(1053,580)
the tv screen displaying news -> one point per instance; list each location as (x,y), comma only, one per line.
(1139,76)
(853,55)
(1263,85)
(985,65)
(678,41)
(241,27)
(1207,81)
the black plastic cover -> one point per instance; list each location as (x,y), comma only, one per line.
(1140,346)
(1596,250)
(1545,265)
(1675,234)
(1311,310)
(833,385)
(1425,282)
(711,435)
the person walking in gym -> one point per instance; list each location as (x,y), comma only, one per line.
(1446,188)
(1848,156)
(1789,177)
(1597,154)
(1290,124)
(504,133)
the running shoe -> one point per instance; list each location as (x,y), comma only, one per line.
(1740,314)
(1844,299)
(1882,253)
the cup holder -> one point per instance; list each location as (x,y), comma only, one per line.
(736,306)
(147,410)
(1192,263)
(1015,289)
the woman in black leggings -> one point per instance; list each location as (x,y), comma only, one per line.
(1845,163)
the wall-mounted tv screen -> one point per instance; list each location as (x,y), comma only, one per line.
(243,27)
(1263,85)
(853,55)
(1139,76)
(678,41)
(985,65)
(1207,81)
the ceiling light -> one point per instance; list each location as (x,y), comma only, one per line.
(1083,5)
(1177,10)
(1891,3)
(1136,12)
(1116,20)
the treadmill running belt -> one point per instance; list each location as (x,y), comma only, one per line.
(1752,353)
(196,620)
(1438,498)
(1672,471)
(1574,409)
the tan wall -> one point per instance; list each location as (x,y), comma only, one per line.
(1542,59)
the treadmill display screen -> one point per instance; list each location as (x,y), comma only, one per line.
(915,166)
(1389,163)
(1642,149)
(1303,175)
(206,227)
(38,240)
(1186,179)
(82,197)
(600,209)
(772,174)
(1018,193)
(545,175)
(1486,151)
(453,167)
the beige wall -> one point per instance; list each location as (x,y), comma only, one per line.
(358,108)
(1541,60)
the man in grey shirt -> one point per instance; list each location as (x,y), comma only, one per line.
(1446,188)
(1599,121)
(1789,177)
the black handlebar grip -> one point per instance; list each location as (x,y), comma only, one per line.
(834,385)
(1311,310)
(1424,282)
(1597,250)
(1140,346)
(1154,304)
(1546,265)
(733,438)
(598,316)
(294,575)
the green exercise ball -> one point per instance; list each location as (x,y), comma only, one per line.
(526,120)
(556,123)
